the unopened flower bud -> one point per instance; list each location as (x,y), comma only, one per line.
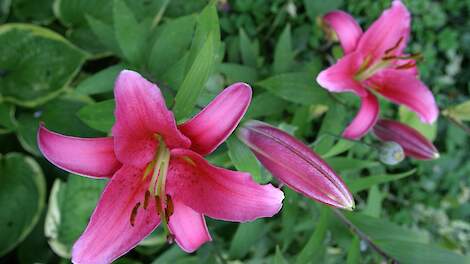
(413,143)
(295,164)
(391,153)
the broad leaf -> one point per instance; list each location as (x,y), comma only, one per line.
(100,82)
(22,198)
(99,116)
(36,64)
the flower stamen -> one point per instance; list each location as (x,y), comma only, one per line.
(134,213)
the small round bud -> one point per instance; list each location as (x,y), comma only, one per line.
(391,153)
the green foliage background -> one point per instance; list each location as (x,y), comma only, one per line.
(58,61)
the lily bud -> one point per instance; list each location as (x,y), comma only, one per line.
(413,143)
(295,164)
(391,153)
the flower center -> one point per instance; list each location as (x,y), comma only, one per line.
(158,168)
(368,69)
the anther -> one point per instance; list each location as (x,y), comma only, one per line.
(158,205)
(134,213)
(405,66)
(169,206)
(146,199)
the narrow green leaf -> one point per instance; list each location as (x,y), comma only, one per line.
(341,146)
(248,50)
(283,53)
(238,73)
(99,116)
(315,243)
(296,87)
(101,82)
(22,198)
(130,35)
(265,104)
(174,39)
(343,164)
(243,159)
(195,79)
(105,34)
(318,8)
(365,183)
(246,235)
(374,202)
(410,118)
(331,128)
(354,253)
(279,258)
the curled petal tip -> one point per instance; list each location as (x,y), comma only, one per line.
(295,164)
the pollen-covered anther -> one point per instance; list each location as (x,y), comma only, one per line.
(146,199)
(158,205)
(390,50)
(134,213)
(169,206)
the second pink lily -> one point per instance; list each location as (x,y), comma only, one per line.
(157,172)
(375,62)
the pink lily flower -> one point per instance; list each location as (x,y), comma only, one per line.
(413,143)
(375,63)
(295,164)
(157,173)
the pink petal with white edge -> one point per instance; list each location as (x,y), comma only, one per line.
(109,233)
(140,114)
(365,118)
(90,157)
(401,87)
(212,126)
(189,227)
(219,193)
(295,164)
(346,28)
(392,28)
(340,76)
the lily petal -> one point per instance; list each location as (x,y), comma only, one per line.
(140,114)
(365,118)
(295,164)
(212,126)
(189,227)
(413,143)
(90,157)
(404,88)
(346,28)
(390,31)
(109,233)
(219,193)
(340,76)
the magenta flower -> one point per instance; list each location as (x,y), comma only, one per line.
(157,172)
(295,164)
(413,143)
(375,62)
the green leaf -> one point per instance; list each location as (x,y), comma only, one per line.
(460,112)
(70,208)
(417,253)
(194,82)
(265,104)
(412,119)
(331,128)
(318,8)
(22,198)
(365,183)
(315,243)
(284,54)
(99,116)
(374,202)
(354,252)
(174,39)
(37,64)
(343,164)
(341,146)
(383,230)
(249,51)
(72,12)
(279,258)
(243,159)
(238,73)
(105,34)
(246,235)
(297,87)
(7,118)
(4,9)
(101,82)
(130,35)
(38,11)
